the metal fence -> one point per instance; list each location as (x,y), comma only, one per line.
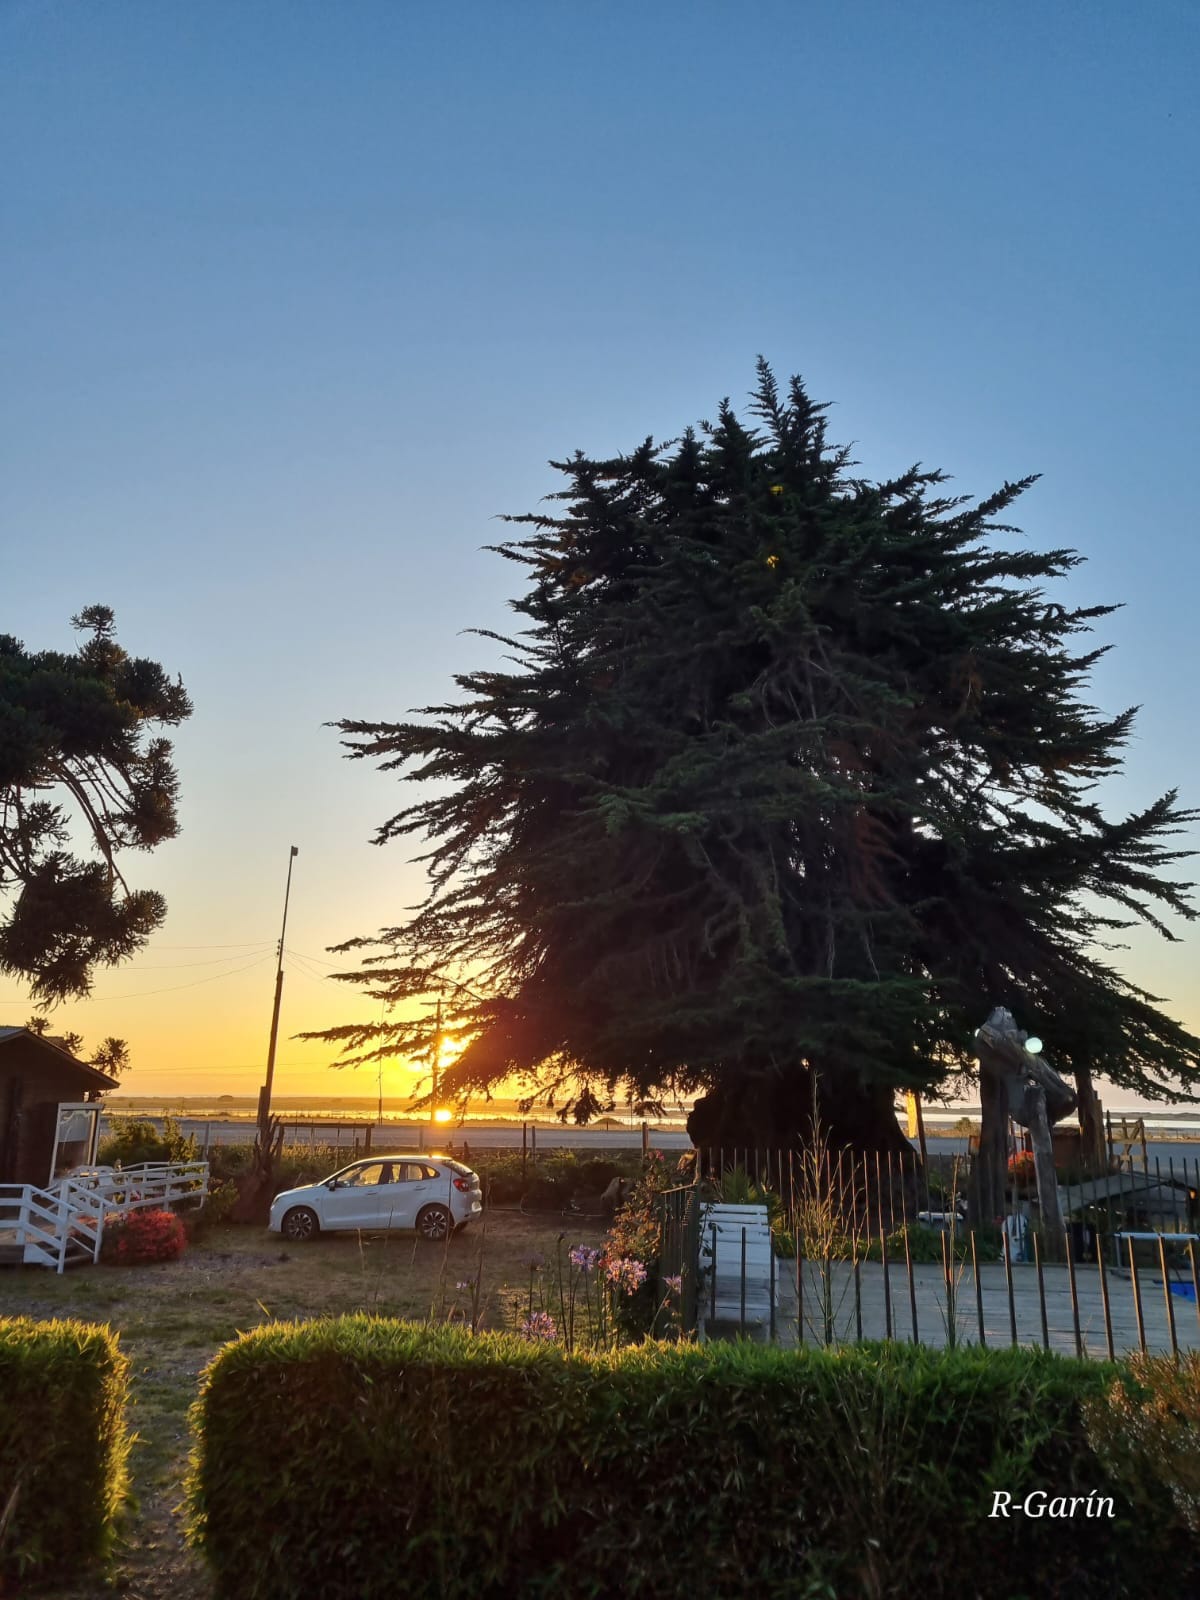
(881,1248)
(679,1220)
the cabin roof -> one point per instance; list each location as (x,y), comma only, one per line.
(92,1076)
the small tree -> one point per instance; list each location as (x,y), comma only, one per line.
(112,1056)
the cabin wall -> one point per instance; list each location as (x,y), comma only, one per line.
(32,1086)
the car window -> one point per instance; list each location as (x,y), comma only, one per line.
(363,1177)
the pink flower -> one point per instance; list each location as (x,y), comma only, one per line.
(625,1274)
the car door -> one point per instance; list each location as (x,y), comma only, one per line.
(412,1190)
(357,1200)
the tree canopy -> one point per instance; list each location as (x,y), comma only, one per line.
(80,769)
(789,779)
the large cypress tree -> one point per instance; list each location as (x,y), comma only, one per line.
(790,780)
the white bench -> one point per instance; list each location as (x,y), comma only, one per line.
(722,1292)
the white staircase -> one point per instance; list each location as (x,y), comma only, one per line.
(62,1225)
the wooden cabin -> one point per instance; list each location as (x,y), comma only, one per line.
(49,1108)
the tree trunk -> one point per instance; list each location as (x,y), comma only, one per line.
(1038,1124)
(774,1111)
(1091,1123)
(989,1172)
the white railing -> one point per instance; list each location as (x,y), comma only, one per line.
(151,1183)
(48,1225)
(66,1220)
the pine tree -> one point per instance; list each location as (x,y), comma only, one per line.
(789,782)
(77,763)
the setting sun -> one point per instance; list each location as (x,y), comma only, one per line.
(442,1115)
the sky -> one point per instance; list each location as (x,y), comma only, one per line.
(298,297)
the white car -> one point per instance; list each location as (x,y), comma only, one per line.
(432,1194)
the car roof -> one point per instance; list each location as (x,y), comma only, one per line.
(397,1155)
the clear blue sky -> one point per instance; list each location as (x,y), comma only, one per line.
(298,296)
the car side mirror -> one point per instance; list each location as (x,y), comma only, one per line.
(333,1183)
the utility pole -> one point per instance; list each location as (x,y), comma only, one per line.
(264,1094)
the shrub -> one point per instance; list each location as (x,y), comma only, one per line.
(222,1197)
(665,1470)
(504,1190)
(596,1175)
(141,1236)
(546,1194)
(507,1180)
(229,1161)
(133,1140)
(925,1245)
(1148,1434)
(63,1447)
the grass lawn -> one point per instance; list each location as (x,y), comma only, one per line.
(173,1317)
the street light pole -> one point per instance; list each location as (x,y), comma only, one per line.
(264,1094)
(437,1061)
(437,1043)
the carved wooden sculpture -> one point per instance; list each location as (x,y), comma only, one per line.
(256,1188)
(1013,1083)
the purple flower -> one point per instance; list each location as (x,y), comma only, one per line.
(584,1257)
(539,1328)
(674,1285)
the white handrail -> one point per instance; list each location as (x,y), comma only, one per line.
(75,1209)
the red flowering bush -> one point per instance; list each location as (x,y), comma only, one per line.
(144,1236)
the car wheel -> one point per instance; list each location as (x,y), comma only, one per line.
(435,1223)
(300,1224)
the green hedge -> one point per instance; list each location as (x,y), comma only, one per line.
(63,1446)
(360,1458)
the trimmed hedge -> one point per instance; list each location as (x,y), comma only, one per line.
(64,1446)
(360,1458)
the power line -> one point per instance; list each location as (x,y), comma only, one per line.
(176,966)
(140,994)
(245,945)
(195,1072)
(304,965)
(320,960)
